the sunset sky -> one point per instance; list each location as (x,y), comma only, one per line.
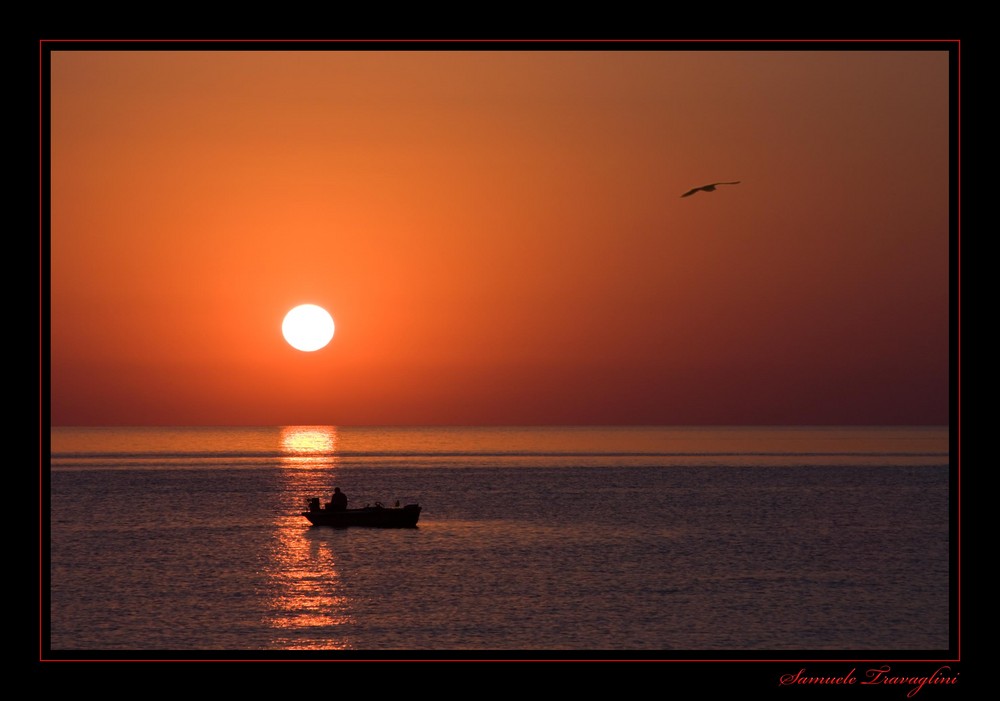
(499,236)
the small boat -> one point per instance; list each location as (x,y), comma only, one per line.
(377,516)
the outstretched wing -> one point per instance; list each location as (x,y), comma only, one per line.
(708,188)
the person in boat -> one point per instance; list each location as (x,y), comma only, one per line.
(338,502)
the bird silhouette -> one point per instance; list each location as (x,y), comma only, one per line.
(708,188)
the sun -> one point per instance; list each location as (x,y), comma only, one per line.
(307,327)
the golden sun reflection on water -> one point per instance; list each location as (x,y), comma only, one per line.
(309,610)
(307,603)
(308,446)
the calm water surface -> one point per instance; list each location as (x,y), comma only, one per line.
(561,539)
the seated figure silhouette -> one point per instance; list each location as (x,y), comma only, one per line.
(338,502)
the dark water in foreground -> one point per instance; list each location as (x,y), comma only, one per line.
(645,539)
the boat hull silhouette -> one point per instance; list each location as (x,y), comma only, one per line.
(377,516)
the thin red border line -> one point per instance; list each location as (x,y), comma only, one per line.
(657,660)
(958,389)
(504,41)
(958,345)
(41,347)
(958,359)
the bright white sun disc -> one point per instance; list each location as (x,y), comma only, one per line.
(307,327)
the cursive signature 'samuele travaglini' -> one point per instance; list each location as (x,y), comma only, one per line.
(875,675)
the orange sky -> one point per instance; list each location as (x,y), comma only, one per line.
(499,237)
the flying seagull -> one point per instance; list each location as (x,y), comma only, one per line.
(708,188)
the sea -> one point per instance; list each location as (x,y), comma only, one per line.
(650,542)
